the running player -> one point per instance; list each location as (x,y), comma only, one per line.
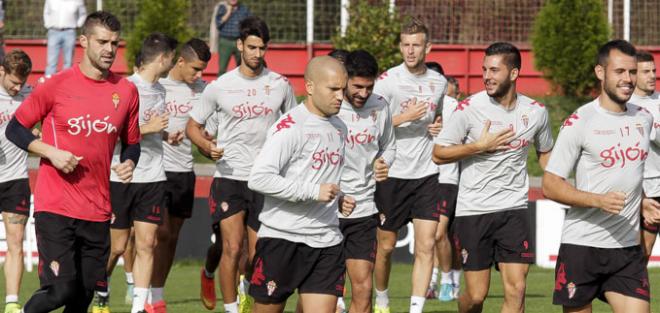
(184,87)
(413,93)
(645,96)
(140,203)
(83,111)
(14,185)
(370,150)
(491,133)
(247,100)
(606,142)
(298,170)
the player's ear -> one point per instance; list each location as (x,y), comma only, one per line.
(239,44)
(83,41)
(513,75)
(309,87)
(600,72)
(428,47)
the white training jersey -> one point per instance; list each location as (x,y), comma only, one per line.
(180,98)
(414,144)
(495,182)
(652,166)
(246,107)
(150,166)
(607,150)
(13,160)
(370,136)
(302,151)
(448,173)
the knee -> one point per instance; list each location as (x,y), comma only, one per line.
(440,235)
(424,248)
(385,248)
(15,243)
(145,243)
(515,290)
(475,298)
(64,292)
(117,250)
(231,249)
(362,287)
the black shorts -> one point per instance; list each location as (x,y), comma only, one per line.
(501,237)
(180,193)
(229,197)
(140,202)
(583,273)
(401,200)
(281,266)
(448,195)
(15,196)
(72,249)
(653,228)
(359,237)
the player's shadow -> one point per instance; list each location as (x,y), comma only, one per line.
(527,295)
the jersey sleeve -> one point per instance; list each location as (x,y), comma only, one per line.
(36,106)
(206,106)
(289,99)
(131,131)
(386,142)
(568,147)
(382,87)
(543,138)
(454,130)
(266,175)
(211,125)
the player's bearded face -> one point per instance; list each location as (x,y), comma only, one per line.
(253,50)
(328,92)
(359,89)
(101,47)
(618,77)
(646,76)
(498,78)
(11,83)
(413,48)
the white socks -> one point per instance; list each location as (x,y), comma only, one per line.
(139,298)
(11,299)
(456,277)
(129,278)
(417,304)
(231,307)
(434,277)
(382,299)
(446,278)
(340,303)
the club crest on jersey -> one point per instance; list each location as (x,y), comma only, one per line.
(640,129)
(571,288)
(115,99)
(374,115)
(525,120)
(432,87)
(465,255)
(267,90)
(55,267)
(271,286)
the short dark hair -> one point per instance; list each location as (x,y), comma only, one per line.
(138,59)
(100,18)
(644,56)
(415,26)
(361,63)
(452,81)
(339,54)
(254,26)
(156,44)
(617,44)
(18,63)
(436,67)
(196,49)
(511,54)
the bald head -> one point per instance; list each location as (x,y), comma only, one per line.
(325,81)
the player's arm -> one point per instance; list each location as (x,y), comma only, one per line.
(155,124)
(199,116)
(450,150)
(414,112)
(130,142)
(387,148)
(543,140)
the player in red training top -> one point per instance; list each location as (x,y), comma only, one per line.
(82,111)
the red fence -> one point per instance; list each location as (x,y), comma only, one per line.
(462,62)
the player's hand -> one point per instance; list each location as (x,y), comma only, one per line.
(214,152)
(491,142)
(175,138)
(124,171)
(63,160)
(37,133)
(612,202)
(346,205)
(381,170)
(157,123)
(650,211)
(328,192)
(415,110)
(435,127)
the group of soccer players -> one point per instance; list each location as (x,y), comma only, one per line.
(304,194)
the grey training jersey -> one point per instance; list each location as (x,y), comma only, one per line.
(495,182)
(652,166)
(13,160)
(303,151)
(180,98)
(370,136)
(414,144)
(607,150)
(246,107)
(448,173)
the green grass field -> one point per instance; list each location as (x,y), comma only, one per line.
(182,291)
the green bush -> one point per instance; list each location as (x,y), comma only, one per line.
(373,28)
(167,16)
(565,40)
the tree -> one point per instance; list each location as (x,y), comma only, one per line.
(565,40)
(373,28)
(167,16)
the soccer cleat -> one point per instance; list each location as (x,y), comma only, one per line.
(431,292)
(158,307)
(13,307)
(244,300)
(100,304)
(129,294)
(207,293)
(378,309)
(446,293)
